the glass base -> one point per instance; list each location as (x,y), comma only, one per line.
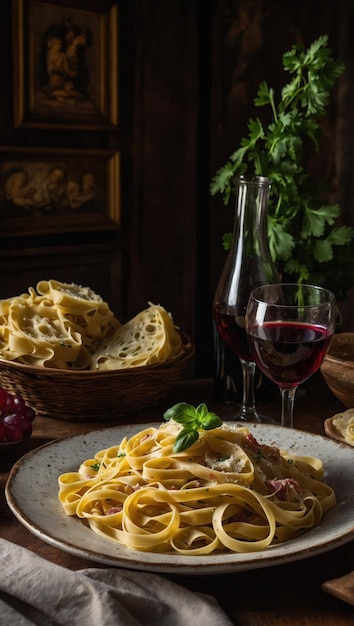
(266,419)
(252,418)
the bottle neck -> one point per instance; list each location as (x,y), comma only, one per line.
(250,244)
(251,216)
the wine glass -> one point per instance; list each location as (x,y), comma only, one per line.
(249,263)
(289,327)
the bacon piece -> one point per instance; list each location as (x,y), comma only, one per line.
(252,442)
(268,452)
(282,487)
(114,509)
(271,452)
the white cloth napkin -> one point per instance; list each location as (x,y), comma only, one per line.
(36,591)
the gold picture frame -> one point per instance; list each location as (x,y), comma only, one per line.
(51,191)
(65,64)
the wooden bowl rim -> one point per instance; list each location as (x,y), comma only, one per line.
(339,341)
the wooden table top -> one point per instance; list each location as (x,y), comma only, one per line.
(284,595)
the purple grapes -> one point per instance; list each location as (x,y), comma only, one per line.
(16,417)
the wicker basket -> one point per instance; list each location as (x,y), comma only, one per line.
(90,395)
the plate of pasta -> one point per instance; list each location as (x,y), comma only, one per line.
(242,496)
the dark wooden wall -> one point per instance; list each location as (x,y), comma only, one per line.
(188,73)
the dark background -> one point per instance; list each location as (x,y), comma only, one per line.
(188,73)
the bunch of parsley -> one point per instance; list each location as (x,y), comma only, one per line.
(307,242)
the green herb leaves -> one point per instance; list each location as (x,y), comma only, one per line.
(192,419)
(306,241)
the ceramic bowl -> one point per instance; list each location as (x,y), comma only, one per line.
(338,368)
(10,445)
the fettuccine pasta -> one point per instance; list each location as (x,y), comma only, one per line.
(56,325)
(149,337)
(66,326)
(225,493)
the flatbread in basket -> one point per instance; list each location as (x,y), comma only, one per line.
(150,337)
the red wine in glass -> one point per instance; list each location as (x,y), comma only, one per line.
(289,352)
(233,334)
(290,327)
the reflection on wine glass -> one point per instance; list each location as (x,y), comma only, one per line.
(290,327)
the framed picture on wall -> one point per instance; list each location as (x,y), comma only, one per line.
(52,191)
(65,64)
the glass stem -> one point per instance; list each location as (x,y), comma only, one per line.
(248,409)
(287,407)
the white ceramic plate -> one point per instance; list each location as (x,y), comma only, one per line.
(32,488)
